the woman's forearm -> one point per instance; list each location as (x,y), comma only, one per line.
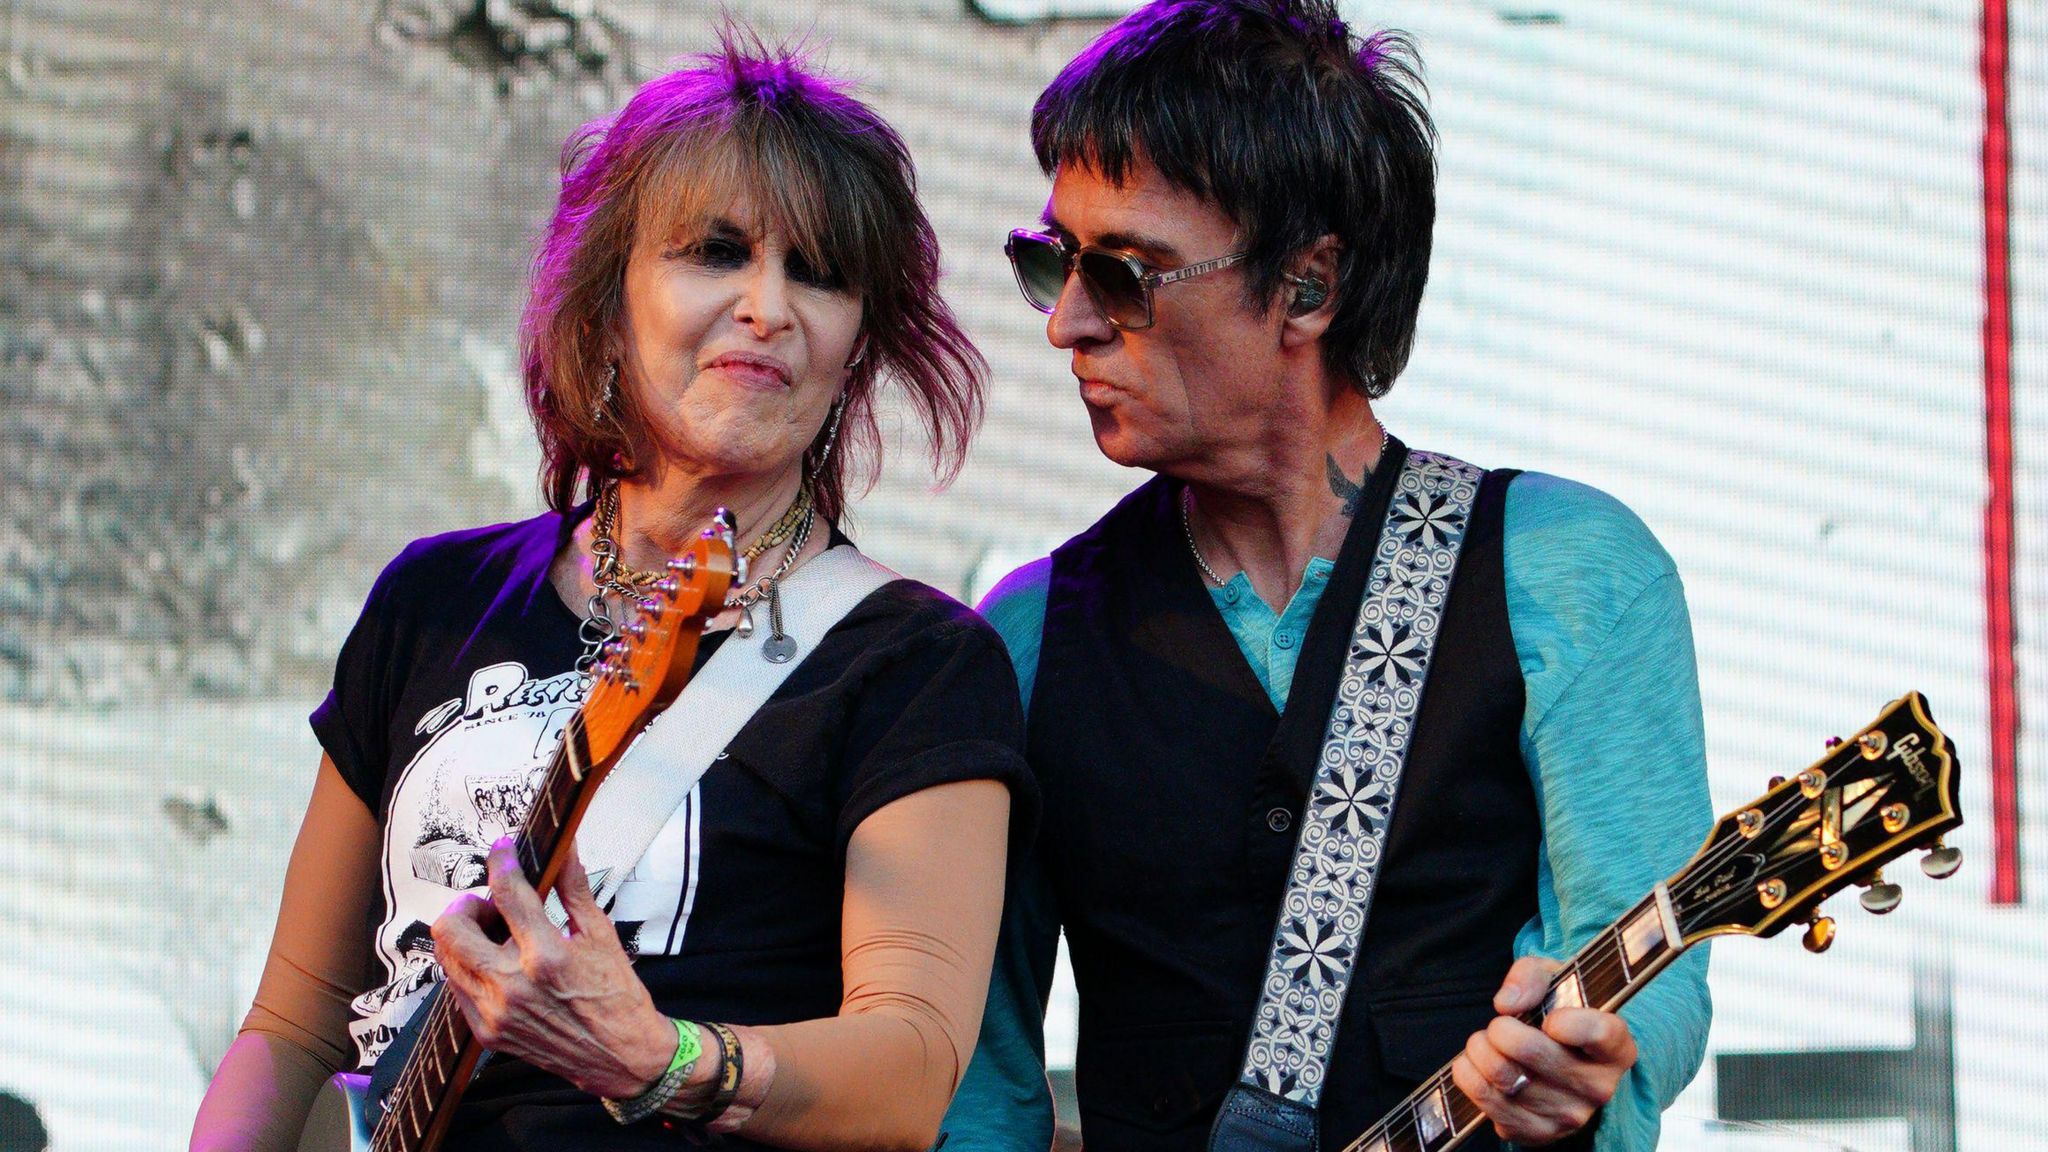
(259,1096)
(924,892)
(296,1033)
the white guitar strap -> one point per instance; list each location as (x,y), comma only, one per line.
(1344,823)
(644,789)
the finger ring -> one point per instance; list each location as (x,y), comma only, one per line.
(1521,1082)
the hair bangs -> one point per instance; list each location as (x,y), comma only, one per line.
(777,168)
(746,136)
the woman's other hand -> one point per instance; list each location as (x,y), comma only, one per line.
(568,1003)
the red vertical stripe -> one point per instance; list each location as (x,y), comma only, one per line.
(1998,510)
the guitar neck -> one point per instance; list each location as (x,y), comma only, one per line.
(1610,969)
(438,1068)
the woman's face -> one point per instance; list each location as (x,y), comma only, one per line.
(735,346)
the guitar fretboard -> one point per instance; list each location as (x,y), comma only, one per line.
(445,1048)
(1605,973)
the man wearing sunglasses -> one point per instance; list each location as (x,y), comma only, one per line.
(1225,675)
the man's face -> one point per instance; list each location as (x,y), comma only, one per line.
(1190,394)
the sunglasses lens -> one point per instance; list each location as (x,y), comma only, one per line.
(1117,289)
(1041,270)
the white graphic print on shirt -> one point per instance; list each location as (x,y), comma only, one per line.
(470,785)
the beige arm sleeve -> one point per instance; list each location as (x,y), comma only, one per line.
(924,893)
(296,1033)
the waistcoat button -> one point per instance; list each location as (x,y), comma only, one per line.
(1279,820)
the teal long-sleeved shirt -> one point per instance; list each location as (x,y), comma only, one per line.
(1611,733)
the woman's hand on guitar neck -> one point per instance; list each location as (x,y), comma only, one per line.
(570,1004)
(1572,1063)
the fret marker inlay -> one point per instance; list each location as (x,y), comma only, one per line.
(573,747)
(1432,1116)
(1568,993)
(1643,932)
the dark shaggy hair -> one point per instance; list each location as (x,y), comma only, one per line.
(751,122)
(1276,113)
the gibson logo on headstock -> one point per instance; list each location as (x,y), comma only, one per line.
(1906,749)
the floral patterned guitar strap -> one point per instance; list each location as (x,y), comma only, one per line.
(1344,825)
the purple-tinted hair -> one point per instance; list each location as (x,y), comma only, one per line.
(753,123)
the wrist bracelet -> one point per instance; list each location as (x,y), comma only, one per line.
(688,1049)
(731,1066)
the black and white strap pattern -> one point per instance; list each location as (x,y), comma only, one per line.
(1344,829)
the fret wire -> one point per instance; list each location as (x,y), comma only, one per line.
(547,804)
(565,774)
(544,805)
(1602,982)
(573,749)
(410,1096)
(1604,974)
(1463,1110)
(1606,961)
(1597,965)
(1459,1110)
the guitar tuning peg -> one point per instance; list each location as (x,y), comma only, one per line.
(1880,897)
(1942,862)
(1820,934)
(1834,742)
(1775,781)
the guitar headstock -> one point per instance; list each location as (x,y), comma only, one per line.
(1885,791)
(648,664)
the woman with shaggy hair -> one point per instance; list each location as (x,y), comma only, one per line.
(737,263)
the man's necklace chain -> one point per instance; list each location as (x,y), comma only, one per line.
(1187,525)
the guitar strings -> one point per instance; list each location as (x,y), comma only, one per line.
(1601,968)
(402,1090)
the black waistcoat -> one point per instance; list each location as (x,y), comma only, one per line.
(1172,791)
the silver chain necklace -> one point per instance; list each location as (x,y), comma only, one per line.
(615,582)
(780,647)
(1187,527)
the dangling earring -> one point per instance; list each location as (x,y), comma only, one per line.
(608,394)
(831,436)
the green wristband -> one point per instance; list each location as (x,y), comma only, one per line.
(688,1048)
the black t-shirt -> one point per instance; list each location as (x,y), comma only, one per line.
(447,701)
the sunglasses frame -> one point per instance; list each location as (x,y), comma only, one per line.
(1147,280)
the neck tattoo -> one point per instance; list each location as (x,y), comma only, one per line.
(1340,485)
